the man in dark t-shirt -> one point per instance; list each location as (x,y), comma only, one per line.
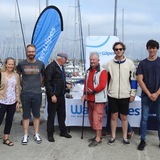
(31,71)
(148,73)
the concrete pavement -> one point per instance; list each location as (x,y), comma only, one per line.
(75,148)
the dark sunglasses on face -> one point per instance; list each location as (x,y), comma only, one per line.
(120,49)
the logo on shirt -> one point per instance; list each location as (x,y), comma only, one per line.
(31,70)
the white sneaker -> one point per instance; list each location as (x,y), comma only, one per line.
(25,139)
(37,138)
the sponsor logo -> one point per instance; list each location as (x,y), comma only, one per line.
(78,109)
(104,53)
(134,111)
(47,43)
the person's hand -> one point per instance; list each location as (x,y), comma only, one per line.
(89,91)
(131,99)
(83,98)
(17,106)
(154,96)
(54,99)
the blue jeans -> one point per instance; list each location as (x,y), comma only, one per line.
(146,106)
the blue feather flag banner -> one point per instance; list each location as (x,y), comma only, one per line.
(46,32)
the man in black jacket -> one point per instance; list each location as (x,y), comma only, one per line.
(55,83)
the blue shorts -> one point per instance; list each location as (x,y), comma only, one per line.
(31,102)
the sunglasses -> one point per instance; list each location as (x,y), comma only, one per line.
(120,49)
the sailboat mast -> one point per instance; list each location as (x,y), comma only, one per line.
(47,1)
(115,19)
(24,43)
(74,43)
(81,36)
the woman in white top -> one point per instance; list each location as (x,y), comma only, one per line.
(9,96)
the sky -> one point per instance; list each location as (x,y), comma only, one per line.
(137,22)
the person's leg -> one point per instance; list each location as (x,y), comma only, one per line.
(98,135)
(90,112)
(124,120)
(9,119)
(114,109)
(98,112)
(146,104)
(26,104)
(129,130)
(2,112)
(61,113)
(52,107)
(157,105)
(36,104)
(108,125)
(114,117)
(25,126)
(123,110)
(36,122)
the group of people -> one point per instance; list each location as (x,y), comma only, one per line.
(22,84)
(114,82)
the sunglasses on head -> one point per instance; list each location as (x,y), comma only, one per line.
(120,49)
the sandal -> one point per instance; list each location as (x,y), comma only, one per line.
(8,142)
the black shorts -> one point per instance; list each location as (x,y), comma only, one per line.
(118,105)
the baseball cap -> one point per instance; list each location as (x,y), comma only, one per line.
(63,55)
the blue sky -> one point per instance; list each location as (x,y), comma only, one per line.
(141,21)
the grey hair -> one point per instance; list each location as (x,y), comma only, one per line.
(94,54)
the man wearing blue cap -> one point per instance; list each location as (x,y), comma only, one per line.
(55,83)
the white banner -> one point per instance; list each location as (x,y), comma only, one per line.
(74,113)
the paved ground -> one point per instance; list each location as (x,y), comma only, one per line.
(75,148)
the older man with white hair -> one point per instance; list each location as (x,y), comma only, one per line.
(95,93)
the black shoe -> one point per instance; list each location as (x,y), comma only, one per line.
(66,135)
(141,145)
(51,139)
(111,141)
(95,143)
(92,139)
(126,141)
